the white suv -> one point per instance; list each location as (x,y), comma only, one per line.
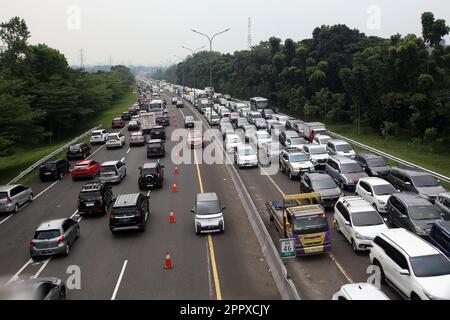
(375,190)
(98,136)
(414,267)
(358,221)
(115,140)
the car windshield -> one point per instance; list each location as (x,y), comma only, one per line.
(424,212)
(108,169)
(208,207)
(298,158)
(318,150)
(46,234)
(434,265)
(267,111)
(91,195)
(365,219)
(379,162)
(96,134)
(384,189)
(283,119)
(343,147)
(310,224)
(247,152)
(298,141)
(3,195)
(323,184)
(147,171)
(291,134)
(154,145)
(74,148)
(351,168)
(425,181)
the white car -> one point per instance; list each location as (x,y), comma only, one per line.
(358,221)
(245,156)
(321,139)
(137,139)
(115,140)
(296,142)
(272,150)
(213,119)
(281,119)
(409,263)
(318,154)
(376,191)
(261,137)
(98,136)
(232,141)
(359,291)
(340,148)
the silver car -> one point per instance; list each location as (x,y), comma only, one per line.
(54,237)
(112,171)
(12,197)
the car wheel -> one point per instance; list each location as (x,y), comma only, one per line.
(30,199)
(382,276)
(290,175)
(78,233)
(354,247)
(67,250)
(16,208)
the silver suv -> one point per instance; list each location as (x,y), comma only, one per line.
(112,171)
(12,197)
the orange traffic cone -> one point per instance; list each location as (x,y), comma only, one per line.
(171,217)
(176,171)
(168,262)
(174,188)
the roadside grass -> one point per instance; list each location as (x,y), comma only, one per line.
(12,165)
(401,147)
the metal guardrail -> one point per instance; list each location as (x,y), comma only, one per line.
(51,155)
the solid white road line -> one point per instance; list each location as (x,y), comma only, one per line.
(46,189)
(16,276)
(128,151)
(7,218)
(41,268)
(119,280)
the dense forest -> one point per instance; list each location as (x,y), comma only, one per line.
(341,76)
(42,99)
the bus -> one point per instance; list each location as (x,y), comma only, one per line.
(258,103)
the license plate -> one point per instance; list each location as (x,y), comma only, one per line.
(47,173)
(89,204)
(312,250)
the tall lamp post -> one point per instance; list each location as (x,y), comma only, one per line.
(210,39)
(193,66)
(182,74)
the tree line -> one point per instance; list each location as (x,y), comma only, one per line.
(341,75)
(42,99)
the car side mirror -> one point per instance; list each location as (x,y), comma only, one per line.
(347,223)
(192,210)
(408,183)
(403,216)
(223,208)
(404,272)
(370,194)
(385,219)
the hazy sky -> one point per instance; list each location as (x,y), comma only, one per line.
(152,31)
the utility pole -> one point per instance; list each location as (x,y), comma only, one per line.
(193,67)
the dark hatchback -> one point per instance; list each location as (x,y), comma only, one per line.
(54,170)
(78,151)
(373,164)
(158,132)
(95,197)
(126,116)
(155,148)
(151,175)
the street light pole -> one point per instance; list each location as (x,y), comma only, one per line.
(182,73)
(193,66)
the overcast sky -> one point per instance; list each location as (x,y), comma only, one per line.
(151,32)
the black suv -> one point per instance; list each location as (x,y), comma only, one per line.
(155,148)
(130,211)
(95,197)
(54,169)
(78,151)
(180,104)
(151,175)
(126,116)
(410,211)
(158,132)
(373,164)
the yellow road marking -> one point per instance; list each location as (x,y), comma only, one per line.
(340,267)
(210,240)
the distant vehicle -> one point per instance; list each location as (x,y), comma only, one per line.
(155,148)
(98,136)
(126,116)
(232,141)
(137,139)
(440,236)
(373,164)
(245,156)
(49,288)
(260,124)
(163,120)
(78,151)
(291,124)
(295,142)
(252,116)
(94,197)
(208,213)
(148,122)
(346,172)
(112,171)
(54,170)
(281,119)
(260,138)
(14,196)
(241,122)
(189,122)
(287,134)
(174,100)
(294,162)
(420,182)
(376,191)
(358,221)
(321,139)
(311,129)
(214,119)
(318,154)
(359,291)
(442,203)
(226,128)
(267,113)
(118,123)
(195,139)
(85,169)
(180,104)
(54,237)
(410,211)
(410,264)
(297,216)
(321,182)
(115,140)
(340,148)
(133,125)
(151,175)
(275,129)
(258,103)
(129,212)
(158,132)
(234,116)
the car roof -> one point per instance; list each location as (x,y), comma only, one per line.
(150,165)
(337,141)
(51,224)
(355,203)
(369,155)
(318,175)
(412,199)
(411,244)
(412,173)
(124,200)
(322,136)
(8,187)
(97,131)
(110,163)
(155,141)
(83,162)
(207,196)
(374,181)
(363,291)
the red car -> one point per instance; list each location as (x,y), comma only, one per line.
(85,169)
(118,123)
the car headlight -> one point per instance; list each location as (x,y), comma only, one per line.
(358,236)
(374,173)
(420,230)
(381,202)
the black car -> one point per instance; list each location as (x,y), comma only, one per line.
(155,148)
(130,211)
(411,211)
(323,183)
(158,132)
(373,164)
(151,175)
(95,197)
(50,288)
(78,151)
(267,113)
(180,104)
(133,125)
(163,120)
(54,169)
(126,116)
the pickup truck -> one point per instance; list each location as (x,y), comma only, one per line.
(298,217)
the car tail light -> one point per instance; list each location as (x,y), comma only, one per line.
(61,240)
(8,200)
(78,203)
(33,243)
(80,149)
(159,174)
(101,200)
(138,213)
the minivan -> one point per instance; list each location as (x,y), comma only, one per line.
(208,213)
(346,172)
